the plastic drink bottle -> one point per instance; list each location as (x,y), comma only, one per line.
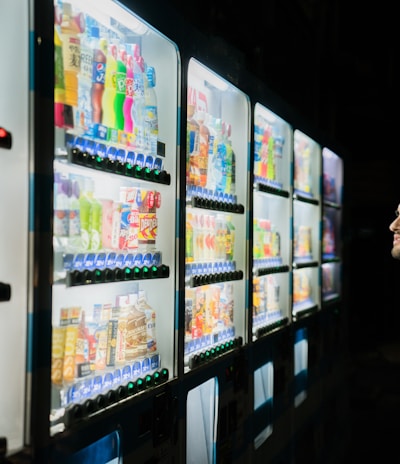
(85,209)
(151,111)
(61,213)
(98,75)
(70,28)
(138,106)
(120,89)
(192,140)
(128,102)
(110,90)
(212,152)
(74,234)
(189,239)
(204,135)
(231,162)
(83,117)
(96,225)
(59,85)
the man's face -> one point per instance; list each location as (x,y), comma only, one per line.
(395,228)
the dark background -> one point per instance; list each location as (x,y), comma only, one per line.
(335,62)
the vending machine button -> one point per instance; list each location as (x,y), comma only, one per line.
(121,392)
(131,388)
(140,384)
(90,406)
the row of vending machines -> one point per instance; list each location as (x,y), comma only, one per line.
(171,273)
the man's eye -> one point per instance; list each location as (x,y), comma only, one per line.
(397,213)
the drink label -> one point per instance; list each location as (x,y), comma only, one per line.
(108,381)
(78,262)
(110,260)
(126,373)
(74,394)
(89,261)
(101,150)
(128,262)
(147,259)
(147,228)
(158,163)
(99,71)
(130,157)
(100,261)
(119,261)
(157,199)
(112,135)
(136,369)
(112,331)
(155,362)
(99,131)
(112,153)
(149,162)
(156,259)
(138,261)
(140,160)
(120,155)
(68,261)
(97,384)
(146,365)
(117,377)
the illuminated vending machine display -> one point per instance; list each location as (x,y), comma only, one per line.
(114,227)
(332,166)
(272,254)
(216,199)
(306,225)
(216,246)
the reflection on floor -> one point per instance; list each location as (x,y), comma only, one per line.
(374,395)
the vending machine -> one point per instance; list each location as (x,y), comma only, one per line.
(307,300)
(271,293)
(91,299)
(216,263)
(335,404)
(272,210)
(14,220)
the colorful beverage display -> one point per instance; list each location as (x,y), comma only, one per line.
(215,232)
(104,345)
(114,207)
(102,83)
(211,160)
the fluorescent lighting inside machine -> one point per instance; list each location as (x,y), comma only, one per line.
(107,11)
(208,76)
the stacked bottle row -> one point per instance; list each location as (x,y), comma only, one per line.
(84,222)
(98,348)
(211,161)
(209,237)
(103,87)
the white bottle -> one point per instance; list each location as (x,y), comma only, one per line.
(84,110)
(138,107)
(61,211)
(151,112)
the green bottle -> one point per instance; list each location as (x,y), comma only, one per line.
(96,221)
(85,209)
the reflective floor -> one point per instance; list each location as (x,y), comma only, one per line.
(374,400)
